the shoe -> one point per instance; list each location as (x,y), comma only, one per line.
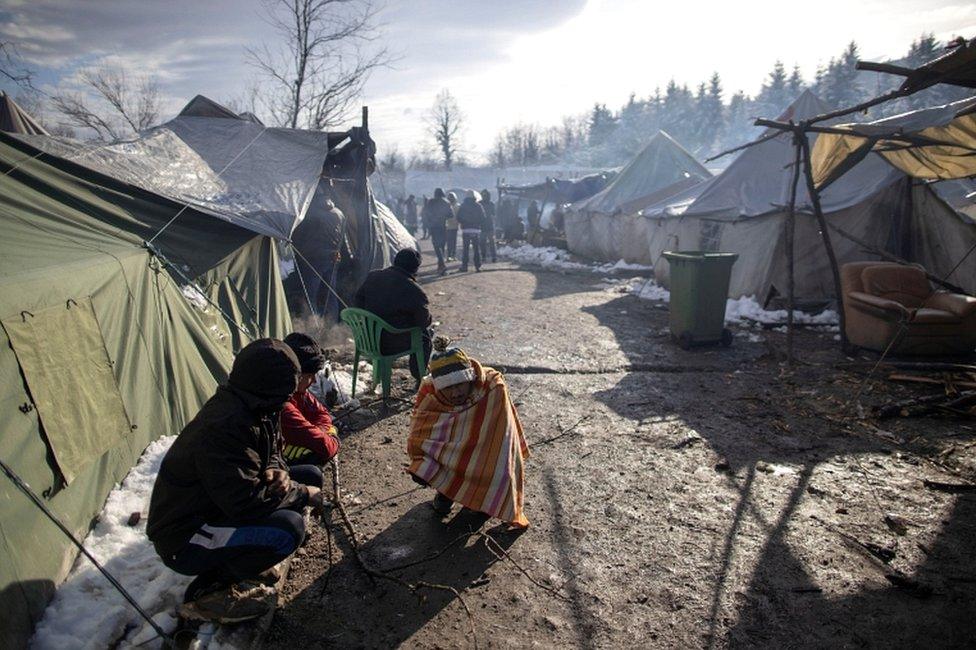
(478,269)
(441,505)
(240,602)
(463,269)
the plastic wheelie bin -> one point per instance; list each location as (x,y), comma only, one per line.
(699,289)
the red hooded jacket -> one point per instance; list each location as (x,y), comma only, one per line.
(307,428)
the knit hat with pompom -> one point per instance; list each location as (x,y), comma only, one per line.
(449,365)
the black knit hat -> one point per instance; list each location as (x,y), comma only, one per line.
(407,259)
(311,356)
(265,368)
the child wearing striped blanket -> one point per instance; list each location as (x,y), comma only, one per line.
(466,440)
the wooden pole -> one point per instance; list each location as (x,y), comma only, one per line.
(790,252)
(825,234)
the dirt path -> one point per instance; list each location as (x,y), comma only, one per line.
(704,499)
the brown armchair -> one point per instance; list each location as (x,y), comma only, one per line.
(883,301)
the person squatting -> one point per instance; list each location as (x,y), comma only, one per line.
(229,502)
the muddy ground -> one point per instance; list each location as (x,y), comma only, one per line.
(709,498)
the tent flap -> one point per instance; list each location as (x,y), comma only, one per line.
(72,385)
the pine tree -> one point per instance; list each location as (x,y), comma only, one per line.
(602,124)
(774,92)
(710,113)
(795,85)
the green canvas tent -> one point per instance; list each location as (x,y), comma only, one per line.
(104,345)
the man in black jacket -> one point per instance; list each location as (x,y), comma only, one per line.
(223,507)
(394,295)
(437,212)
(471,218)
(488,228)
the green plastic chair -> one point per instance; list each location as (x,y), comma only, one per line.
(367,328)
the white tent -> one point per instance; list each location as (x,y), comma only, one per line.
(606,226)
(743,210)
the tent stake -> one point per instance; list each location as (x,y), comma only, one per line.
(825,234)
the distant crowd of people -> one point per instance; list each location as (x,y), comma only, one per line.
(480,222)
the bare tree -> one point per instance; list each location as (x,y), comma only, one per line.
(12,68)
(114,106)
(326,57)
(444,123)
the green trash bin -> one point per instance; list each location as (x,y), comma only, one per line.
(699,289)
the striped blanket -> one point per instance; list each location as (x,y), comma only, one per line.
(474,453)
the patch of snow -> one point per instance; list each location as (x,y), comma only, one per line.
(544,256)
(746,308)
(86,610)
(195,297)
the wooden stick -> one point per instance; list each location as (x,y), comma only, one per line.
(790,240)
(825,233)
(414,587)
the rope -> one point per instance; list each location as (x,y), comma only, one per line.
(166,263)
(222,170)
(301,279)
(316,272)
(36,500)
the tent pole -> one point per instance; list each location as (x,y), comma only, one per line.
(790,252)
(825,234)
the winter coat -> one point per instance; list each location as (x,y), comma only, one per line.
(394,295)
(489,208)
(437,212)
(213,472)
(470,216)
(306,427)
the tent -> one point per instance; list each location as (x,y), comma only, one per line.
(106,344)
(14,119)
(262,178)
(743,210)
(606,226)
(130,273)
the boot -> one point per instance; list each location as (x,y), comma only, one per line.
(244,601)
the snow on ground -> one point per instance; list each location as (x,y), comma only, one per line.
(87,612)
(551,257)
(545,256)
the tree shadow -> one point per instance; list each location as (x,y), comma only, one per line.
(345,608)
(744,419)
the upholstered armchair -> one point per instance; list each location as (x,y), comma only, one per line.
(883,302)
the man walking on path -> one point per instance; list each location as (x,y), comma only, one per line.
(437,211)
(452,227)
(488,228)
(394,295)
(471,217)
(410,214)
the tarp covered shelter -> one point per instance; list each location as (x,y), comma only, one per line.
(261,178)
(105,345)
(932,144)
(14,119)
(744,210)
(606,226)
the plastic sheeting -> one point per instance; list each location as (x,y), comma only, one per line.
(255,177)
(955,124)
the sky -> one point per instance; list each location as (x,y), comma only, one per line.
(506,61)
